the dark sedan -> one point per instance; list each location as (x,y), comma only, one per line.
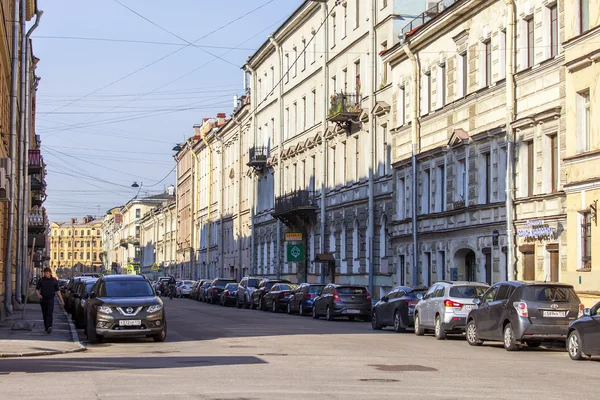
(396,309)
(343,301)
(229,294)
(213,293)
(263,288)
(83,290)
(301,299)
(124,306)
(584,334)
(278,297)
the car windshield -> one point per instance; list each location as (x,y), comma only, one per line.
(128,288)
(89,285)
(351,290)
(252,282)
(207,284)
(467,292)
(188,283)
(286,286)
(414,293)
(231,286)
(549,293)
(221,284)
(315,288)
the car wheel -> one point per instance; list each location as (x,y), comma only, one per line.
(419,331)
(440,334)
(274,307)
(574,346)
(533,344)
(510,343)
(162,335)
(472,336)
(246,303)
(237,303)
(398,323)
(314,313)
(374,324)
(328,314)
(93,337)
(301,309)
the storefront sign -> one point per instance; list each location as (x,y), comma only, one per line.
(536,230)
(295,252)
(293,237)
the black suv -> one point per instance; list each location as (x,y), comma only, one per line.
(523,312)
(263,287)
(124,306)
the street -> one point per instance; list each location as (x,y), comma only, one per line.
(215,352)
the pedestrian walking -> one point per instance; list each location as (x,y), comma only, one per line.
(45,290)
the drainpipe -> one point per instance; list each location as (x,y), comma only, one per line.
(176,211)
(277,260)
(324,157)
(195,212)
(209,195)
(239,202)
(373,128)
(253,102)
(415,148)
(221,201)
(8,263)
(510,111)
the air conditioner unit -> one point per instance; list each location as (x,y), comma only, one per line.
(3,196)
(5,163)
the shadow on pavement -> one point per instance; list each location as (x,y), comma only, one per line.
(119,363)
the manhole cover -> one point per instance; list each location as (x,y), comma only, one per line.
(403,368)
(273,354)
(379,380)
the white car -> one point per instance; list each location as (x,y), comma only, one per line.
(184,289)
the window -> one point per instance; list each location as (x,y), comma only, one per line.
(75,244)
(387,148)
(504,292)
(490,294)
(463,75)
(383,238)
(530,168)
(357,77)
(303,121)
(54,255)
(62,233)
(295,61)
(530,26)
(295,120)
(287,123)
(440,189)
(345,27)
(554,162)
(314,106)
(586,240)
(553,31)
(138,212)
(62,255)
(584,16)
(287,68)
(485,178)
(70,255)
(441,264)
(88,233)
(80,255)
(333,29)
(345,74)
(402,106)
(76,233)
(88,255)
(488,63)
(344,169)
(357,14)
(332,170)
(401,199)
(502,55)
(314,49)
(357,160)
(461,178)
(272,79)
(441,86)
(137,232)
(355,241)
(427,93)
(583,121)
(260,88)
(425,192)
(333,84)
(303,54)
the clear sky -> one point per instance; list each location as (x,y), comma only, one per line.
(110,111)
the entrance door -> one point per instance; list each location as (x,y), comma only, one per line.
(470,266)
(554,266)
(529,266)
(488,268)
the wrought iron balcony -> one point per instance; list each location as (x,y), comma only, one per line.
(299,204)
(257,157)
(344,106)
(433,11)
(36,222)
(35,161)
(38,182)
(124,243)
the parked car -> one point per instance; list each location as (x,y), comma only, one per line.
(203,291)
(523,312)
(124,306)
(397,308)
(445,306)
(68,294)
(301,298)
(343,301)
(278,297)
(194,290)
(584,334)
(185,288)
(246,287)
(263,287)
(229,294)
(81,296)
(216,288)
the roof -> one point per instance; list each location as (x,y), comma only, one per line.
(123,278)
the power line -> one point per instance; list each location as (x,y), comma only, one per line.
(108,150)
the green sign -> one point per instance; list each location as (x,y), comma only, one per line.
(295,252)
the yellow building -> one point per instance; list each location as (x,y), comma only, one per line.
(582,161)
(75,246)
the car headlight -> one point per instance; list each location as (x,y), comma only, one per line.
(104,310)
(155,308)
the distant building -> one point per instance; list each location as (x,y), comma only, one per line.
(75,246)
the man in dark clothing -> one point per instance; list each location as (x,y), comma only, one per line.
(45,290)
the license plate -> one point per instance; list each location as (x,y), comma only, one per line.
(130,322)
(353,311)
(469,307)
(554,314)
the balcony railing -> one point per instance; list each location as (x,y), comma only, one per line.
(297,200)
(35,161)
(37,183)
(433,11)
(344,106)
(124,243)
(36,219)
(257,156)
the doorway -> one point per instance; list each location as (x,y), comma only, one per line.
(488,265)
(554,266)
(470,266)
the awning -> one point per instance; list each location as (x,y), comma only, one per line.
(325,257)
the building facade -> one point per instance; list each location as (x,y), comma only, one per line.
(76,246)
(158,241)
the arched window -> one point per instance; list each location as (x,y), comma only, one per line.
(343,242)
(62,233)
(383,237)
(88,232)
(355,241)
(76,233)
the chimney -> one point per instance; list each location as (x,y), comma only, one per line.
(197,131)
(171,190)
(73,220)
(221,119)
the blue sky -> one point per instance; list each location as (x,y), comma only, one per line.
(101,130)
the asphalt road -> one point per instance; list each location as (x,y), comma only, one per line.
(214,352)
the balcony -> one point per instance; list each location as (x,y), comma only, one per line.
(37,199)
(35,161)
(257,157)
(38,183)
(435,8)
(344,109)
(296,207)
(36,222)
(124,243)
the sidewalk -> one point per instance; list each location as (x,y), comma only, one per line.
(22,343)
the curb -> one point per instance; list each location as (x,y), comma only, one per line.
(74,338)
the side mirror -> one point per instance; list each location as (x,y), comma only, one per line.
(385,298)
(420,296)
(587,312)
(477,301)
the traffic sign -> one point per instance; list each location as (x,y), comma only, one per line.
(293,237)
(295,252)
(155,267)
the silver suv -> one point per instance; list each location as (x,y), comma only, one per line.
(445,306)
(246,287)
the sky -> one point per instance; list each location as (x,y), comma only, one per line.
(121,85)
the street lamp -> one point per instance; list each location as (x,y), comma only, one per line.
(135,185)
(177,148)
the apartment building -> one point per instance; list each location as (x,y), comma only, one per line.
(158,239)
(76,246)
(455,138)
